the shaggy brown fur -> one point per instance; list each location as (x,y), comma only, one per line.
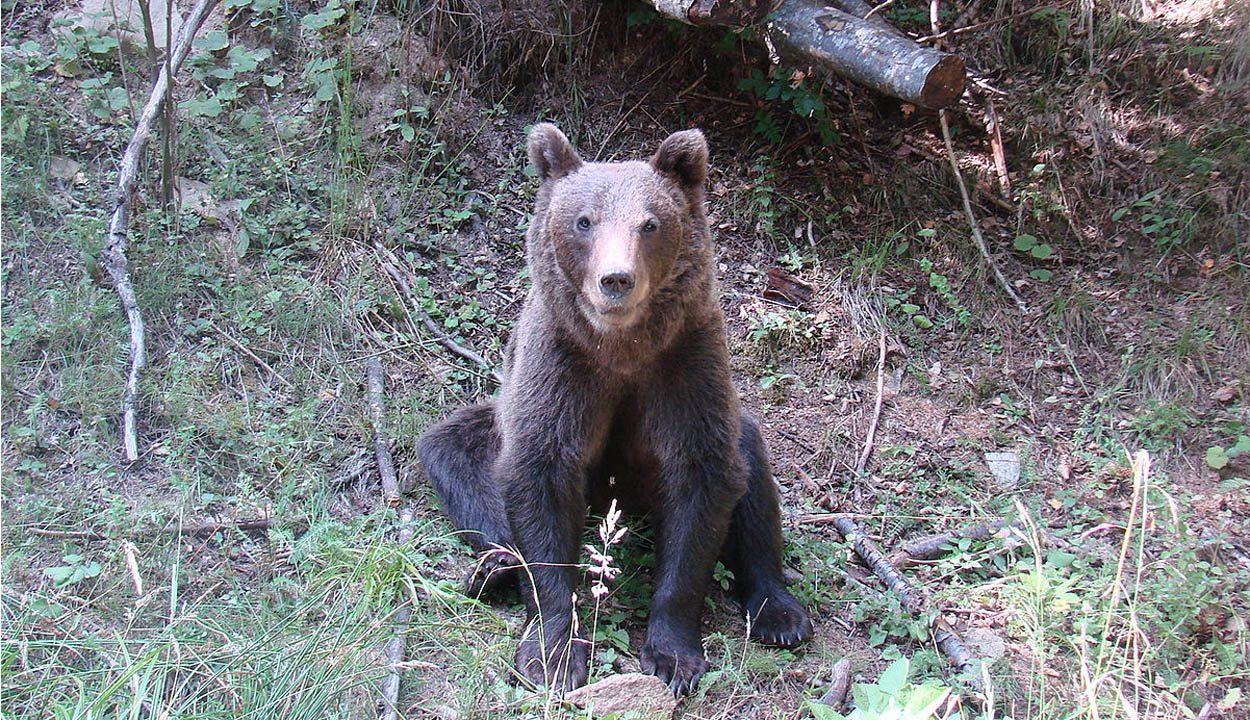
(618,385)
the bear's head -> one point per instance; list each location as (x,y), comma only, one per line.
(615,238)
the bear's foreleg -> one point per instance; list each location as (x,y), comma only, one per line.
(693,427)
(458,455)
(545,498)
(753,552)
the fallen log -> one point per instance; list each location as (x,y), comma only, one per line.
(845,40)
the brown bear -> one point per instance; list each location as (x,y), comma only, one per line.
(617,385)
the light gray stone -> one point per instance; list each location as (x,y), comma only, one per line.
(1005,466)
(123,19)
(645,695)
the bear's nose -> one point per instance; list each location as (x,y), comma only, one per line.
(617,284)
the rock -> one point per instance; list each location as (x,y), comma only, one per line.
(63,169)
(1005,466)
(984,643)
(128,27)
(642,694)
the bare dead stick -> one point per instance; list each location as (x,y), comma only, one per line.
(972,219)
(205,528)
(934,546)
(118,241)
(244,349)
(963,188)
(464,352)
(839,684)
(871,436)
(394,650)
(386,466)
(914,598)
(395,646)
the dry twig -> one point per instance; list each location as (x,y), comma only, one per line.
(963,188)
(934,546)
(386,466)
(244,349)
(390,265)
(115,260)
(205,528)
(839,684)
(914,598)
(390,496)
(871,436)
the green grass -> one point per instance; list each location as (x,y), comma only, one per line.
(1114,589)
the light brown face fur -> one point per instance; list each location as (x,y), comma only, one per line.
(618,230)
(620,225)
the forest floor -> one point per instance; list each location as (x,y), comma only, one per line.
(315,145)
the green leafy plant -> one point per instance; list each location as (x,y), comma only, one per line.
(789,88)
(1218,457)
(76,569)
(892,697)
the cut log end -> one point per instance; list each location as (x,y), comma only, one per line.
(945,83)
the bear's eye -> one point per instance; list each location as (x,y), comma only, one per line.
(583,223)
(650,226)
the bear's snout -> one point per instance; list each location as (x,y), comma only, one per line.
(616,284)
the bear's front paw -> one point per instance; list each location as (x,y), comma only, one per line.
(560,663)
(679,667)
(493,571)
(778,619)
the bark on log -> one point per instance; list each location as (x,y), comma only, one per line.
(865,50)
(914,598)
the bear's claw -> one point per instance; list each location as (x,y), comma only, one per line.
(778,619)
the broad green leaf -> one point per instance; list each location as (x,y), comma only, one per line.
(924,702)
(895,676)
(1024,243)
(1041,251)
(821,711)
(214,41)
(1216,457)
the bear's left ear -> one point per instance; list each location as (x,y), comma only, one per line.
(683,157)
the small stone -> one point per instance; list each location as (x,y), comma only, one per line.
(447,712)
(791,576)
(985,643)
(644,695)
(1005,466)
(62,168)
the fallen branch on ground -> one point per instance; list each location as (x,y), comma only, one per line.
(390,265)
(390,496)
(386,466)
(935,546)
(839,684)
(118,241)
(914,598)
(205,528)
(871,436)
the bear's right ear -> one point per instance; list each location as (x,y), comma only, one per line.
(550,152)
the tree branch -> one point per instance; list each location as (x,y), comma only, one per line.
(118,241)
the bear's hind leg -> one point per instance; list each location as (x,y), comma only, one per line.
(753,552)
(458,455)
